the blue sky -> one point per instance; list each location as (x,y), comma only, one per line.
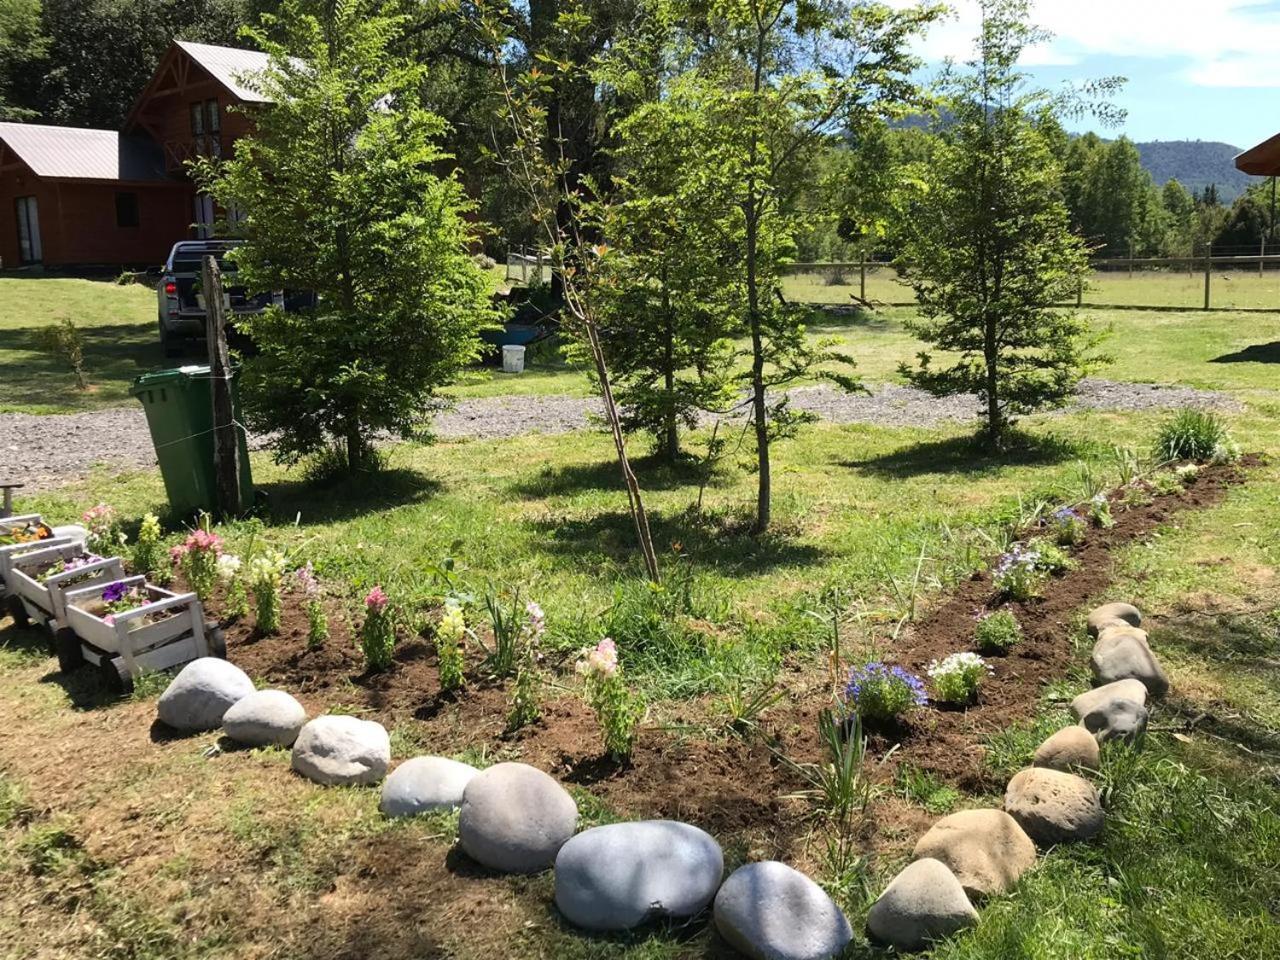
(1197,69)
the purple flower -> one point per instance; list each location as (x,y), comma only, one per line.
(114,592)
(877,691)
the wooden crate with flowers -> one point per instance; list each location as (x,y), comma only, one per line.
(41,579)
(129,627)
(17,540)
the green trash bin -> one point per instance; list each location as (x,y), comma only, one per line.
(179,406)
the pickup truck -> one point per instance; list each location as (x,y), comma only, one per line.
(181,303)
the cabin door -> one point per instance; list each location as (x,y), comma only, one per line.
(30,249)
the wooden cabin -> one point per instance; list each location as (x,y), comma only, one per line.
(72,197)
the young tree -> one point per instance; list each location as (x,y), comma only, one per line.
(770,83)
(21,43)
(990,251)
(1120,210)
(339,193)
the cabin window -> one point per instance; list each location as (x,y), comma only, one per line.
(206,128)
(126,209)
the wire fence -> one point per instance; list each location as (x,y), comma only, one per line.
(1217,282)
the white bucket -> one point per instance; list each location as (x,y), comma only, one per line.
(513,359)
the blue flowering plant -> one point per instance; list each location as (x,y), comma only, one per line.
(879,693)
(1019,574)
(1067,526)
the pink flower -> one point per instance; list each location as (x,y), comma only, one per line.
(177,553)
(204,540)
(109,620)
(603,660)
(376,601)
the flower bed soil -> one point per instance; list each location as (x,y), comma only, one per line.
(737,788)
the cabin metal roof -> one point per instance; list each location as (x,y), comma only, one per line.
(1262,160)
(231,67)
(73,153)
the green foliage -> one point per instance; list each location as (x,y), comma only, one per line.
(997,632)
(989,247)
(63,341)
(836,783)
(958,677)
(341,196)
(378,631)
(450,634)
(21,42)
(924,788)
(1196,435)
(618,709)
(149,557)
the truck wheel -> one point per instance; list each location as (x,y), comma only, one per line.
(115,679)
(18,612)
(170,346)
(67,645)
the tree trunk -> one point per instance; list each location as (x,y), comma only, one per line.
(671,437)
(226,442)
(751,211)
(995,418)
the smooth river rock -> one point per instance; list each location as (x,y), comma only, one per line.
(424,785)
(1121,655)
(200,695)
(340,749)
(515,818)
(618,876)
(1091,700)
(925,902)
(265,718)
(1068,750)
(770,911)
(1100,616)
(1054,807)
(985,849)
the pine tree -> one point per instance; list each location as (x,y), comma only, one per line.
(990,251)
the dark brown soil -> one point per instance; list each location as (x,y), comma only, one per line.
(738,788)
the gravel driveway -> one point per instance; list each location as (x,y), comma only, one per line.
(47,451)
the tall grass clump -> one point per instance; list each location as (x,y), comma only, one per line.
(1196,435)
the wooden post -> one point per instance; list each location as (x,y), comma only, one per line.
(1208,271)
(1130,259)
(862,274)
(226,443)
(1080,291)
(1262,256)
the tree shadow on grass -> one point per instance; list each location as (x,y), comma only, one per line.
(965,455)
(113,353)
(653,473)
(329,501)
(1254,353)
(723,542)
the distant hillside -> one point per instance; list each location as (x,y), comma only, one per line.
(1195,164)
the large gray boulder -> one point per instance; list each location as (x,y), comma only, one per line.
(924,903)
(618,876)
(515,818)
(342,750)
(424,785)
(1070,749)
(1054,807)
(1125,655)
(265,718)
(769,911)
(200,695)
(1100,617)
(985,849)
(1116,711)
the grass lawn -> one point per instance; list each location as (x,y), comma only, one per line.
(116,842)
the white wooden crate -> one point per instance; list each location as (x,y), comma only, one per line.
(45,600)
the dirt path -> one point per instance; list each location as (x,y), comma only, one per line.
(48,451)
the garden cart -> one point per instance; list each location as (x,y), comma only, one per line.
(39,580)
(166,630)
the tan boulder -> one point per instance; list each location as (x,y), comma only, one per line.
(1071,748)
(1100,616)
(985,849)
(923,903)
(1091,700)
(1054,807)
(1122,655)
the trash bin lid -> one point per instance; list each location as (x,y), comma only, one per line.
(171,377)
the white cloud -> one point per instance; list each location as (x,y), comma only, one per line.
(1225,43)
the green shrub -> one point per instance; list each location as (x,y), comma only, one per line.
(957,678)
(1196,435)
(62,341)
(997,632)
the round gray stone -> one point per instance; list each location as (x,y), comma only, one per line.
(618,876)
(515,818)
(201,694)
(1070,749)
(769,911)
(1091,700)
(425,784)
(925,902)
(1100,616)
(339,749)
(265,718)
(1054,807)
(1118,719)
(1122,655)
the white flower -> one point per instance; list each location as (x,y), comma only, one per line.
(228,567)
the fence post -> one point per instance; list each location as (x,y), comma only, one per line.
(1208,271)
(862,276)
(1262,256)
(226,442)
(1130,259)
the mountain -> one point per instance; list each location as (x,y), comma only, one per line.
(1195,164)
